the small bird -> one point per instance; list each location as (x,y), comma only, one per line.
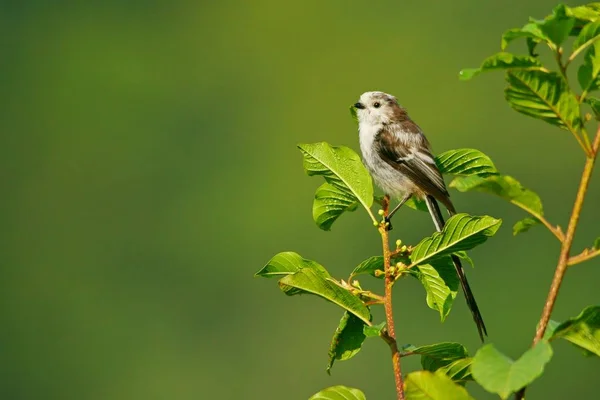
(398,156)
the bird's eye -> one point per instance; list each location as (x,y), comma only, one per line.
(377,104)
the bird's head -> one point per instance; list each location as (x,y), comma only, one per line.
(377,108)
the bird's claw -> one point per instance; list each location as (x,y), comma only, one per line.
(388,224)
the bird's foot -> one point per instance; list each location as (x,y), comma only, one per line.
(388,224)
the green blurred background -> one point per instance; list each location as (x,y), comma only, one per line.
(149,168)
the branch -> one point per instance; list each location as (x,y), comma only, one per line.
(390,334)
(583,256)
(563,258)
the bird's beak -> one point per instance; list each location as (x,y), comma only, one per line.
(359,105)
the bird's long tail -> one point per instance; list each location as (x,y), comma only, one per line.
(438,220)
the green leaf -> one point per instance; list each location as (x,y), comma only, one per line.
(459,371)
(504,186)
(594,103)
(588,12)
(425,385)
(530,31)
(588,72)
(552,325)
(438,355)
(331,202)
(465,162)
(543,95)
(597,244)
(558,25)
(287,263)
(348,181)
(416,204)
(440,282)
(465,257)
(501,60)
(374,330)
(588,35)
(461,232)
(372,264)
(582,330)
(369,266)
(353,113)
(524,225)
(310,281)
(499,374)
(339,393)
(347,339)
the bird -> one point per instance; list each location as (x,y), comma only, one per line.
(399,158)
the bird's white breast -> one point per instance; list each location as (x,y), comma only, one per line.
(390,180)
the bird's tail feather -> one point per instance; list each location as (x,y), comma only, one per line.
(438,220)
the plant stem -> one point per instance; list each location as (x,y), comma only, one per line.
(563,258)
(390,336)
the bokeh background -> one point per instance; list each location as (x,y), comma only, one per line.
(148,168)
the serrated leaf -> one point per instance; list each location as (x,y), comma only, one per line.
(582,330)
(425,385)
(347,339)
(310,281)
(438,355)
(459,371)
(339,393)
(440,282)
(288,262)
(461,232)
(502,60)
(504,186)
(465,162)
(348,180)
(524,225)
(499,374)
(543,95)
(374,330)
(589,71)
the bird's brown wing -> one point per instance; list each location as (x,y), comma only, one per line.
(415,162)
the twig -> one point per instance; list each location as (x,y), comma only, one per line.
(563,259)
(390,335)
(583,256)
